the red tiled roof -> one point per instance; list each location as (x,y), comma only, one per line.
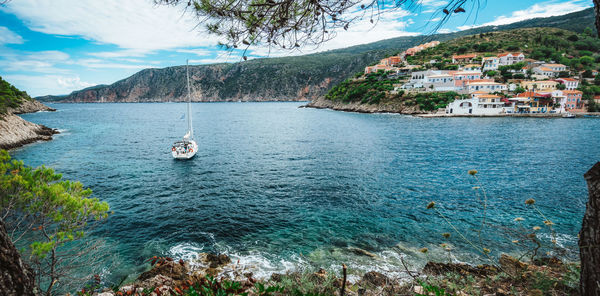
(464,56)
(529,94)
(511,53)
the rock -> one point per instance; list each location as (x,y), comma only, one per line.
(214,260)
(535,292)
(418,290)
(170,269)
(320,275)
(16,132)
(552,262)
(276,277)
(373,278)
(511,265)
(106,294)
(435,268)
(362,252)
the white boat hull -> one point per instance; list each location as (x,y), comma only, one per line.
(180,152)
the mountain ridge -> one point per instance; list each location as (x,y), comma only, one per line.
(305,77)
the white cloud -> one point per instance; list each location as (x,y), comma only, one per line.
(9,37)
(545,9)
(196,51)
(391,24)
(72,82)
(37,85)
(39,61)
(433,3)
(137,25)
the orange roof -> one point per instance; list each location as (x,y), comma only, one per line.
(567,79)
(546,69)
(528,94)
(511,53)
(488,96)
(554,65)
(465,56)
(574,92)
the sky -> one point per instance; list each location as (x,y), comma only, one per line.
(53,47)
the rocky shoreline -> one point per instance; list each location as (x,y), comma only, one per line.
(217,274)
(322,103)
(391,107)
(16,131)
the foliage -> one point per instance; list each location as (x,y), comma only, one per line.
(290,24)
(10,96)
(434,100)
(47,215)
(370,90)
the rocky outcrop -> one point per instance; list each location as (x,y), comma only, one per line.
(386,107)
(30,106)
(16,132)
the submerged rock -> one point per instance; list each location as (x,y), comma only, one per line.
(361,252)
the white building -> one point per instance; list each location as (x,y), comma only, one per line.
(484,104)
(510,58)
(570,83)
(488,87)
(490,63)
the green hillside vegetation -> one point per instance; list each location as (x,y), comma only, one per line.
(10,96)
(579,51)
(374,88)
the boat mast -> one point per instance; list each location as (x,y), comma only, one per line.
(189,104)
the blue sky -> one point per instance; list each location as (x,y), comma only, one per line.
(55,47)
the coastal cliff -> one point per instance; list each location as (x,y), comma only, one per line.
(14,130)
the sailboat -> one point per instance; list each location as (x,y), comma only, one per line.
(186,148)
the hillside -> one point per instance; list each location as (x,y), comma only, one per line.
(11,97)
(14,130)
(288,78)
(380,91)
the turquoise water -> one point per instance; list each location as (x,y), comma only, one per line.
(279,187)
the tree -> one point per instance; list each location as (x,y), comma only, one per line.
(589,236)
(561,86)
(295,23)
(48,217)
(16,277)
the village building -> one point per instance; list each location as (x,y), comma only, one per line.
(467,58)
(570,83)
(482,104)
(391,61)
(540,85)
(534,102)
(471,68)
(490,63)
(574,101)
(549,70)
(373,69)
(509,58)
(487,86)
(441,82)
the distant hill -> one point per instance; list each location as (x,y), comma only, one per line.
(287,78)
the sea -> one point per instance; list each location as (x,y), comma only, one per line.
(281,188)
